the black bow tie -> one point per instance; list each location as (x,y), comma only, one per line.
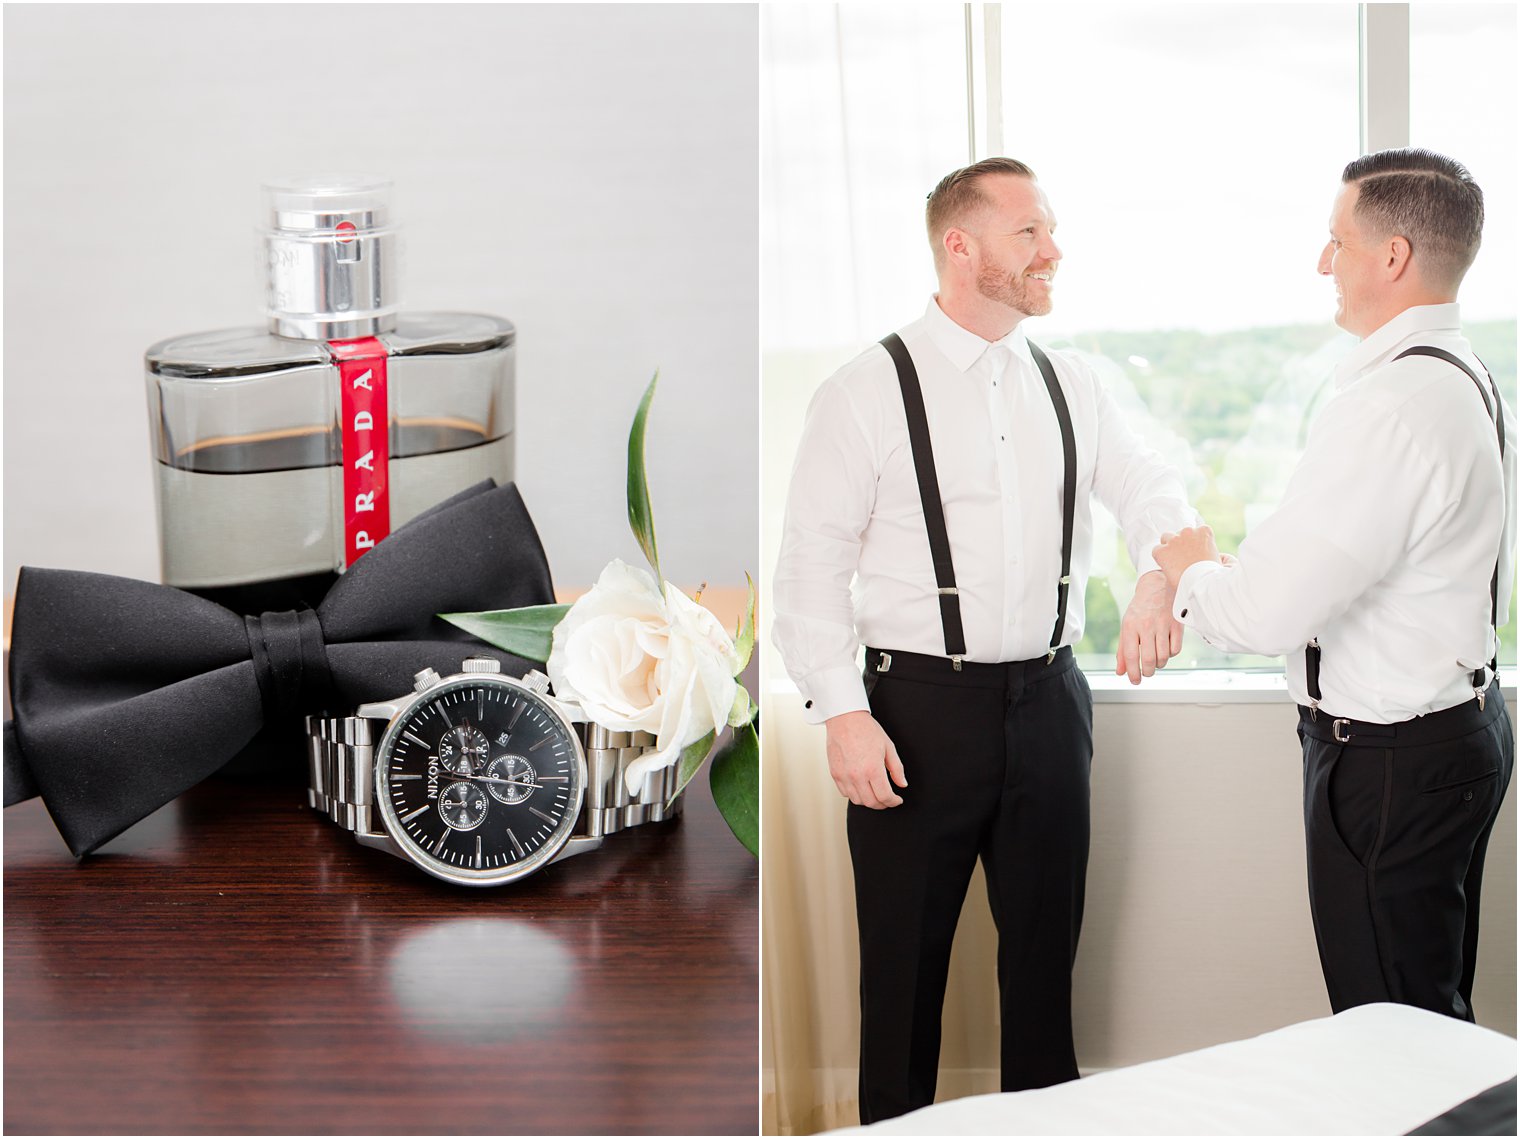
(127,693)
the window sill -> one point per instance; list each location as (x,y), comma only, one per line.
(1203,687)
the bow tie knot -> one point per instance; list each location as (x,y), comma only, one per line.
(289,654)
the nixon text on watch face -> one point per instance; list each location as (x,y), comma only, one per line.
(479,780)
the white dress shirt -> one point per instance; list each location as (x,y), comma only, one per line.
(1385,541)
(854,512)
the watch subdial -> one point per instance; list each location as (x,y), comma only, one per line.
(519,772)
(463,806)
(462,750)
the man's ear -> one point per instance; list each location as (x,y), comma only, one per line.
(958,245)
(1398,254)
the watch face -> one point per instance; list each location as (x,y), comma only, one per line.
(479,780)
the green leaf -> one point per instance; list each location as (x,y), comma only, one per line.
(528,632)
(742,710)
(744,640)
(640,516)
(735,779)
(691,760)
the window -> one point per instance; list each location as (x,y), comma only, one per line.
(1191,153)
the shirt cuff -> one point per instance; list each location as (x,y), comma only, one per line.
(832,692)
(1187,584)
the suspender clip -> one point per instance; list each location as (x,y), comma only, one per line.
(949,590)
(885,664)
(1335,730)
(1050,654)
(1066,580)
(1313,709)
(955,663)
(1482,694)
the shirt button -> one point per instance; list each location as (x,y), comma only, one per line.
(1467,796)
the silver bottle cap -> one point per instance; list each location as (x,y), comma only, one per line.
(332,257)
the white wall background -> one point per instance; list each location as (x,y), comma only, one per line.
(587,171)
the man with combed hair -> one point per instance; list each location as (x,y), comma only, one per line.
(949,470)
(1381,576)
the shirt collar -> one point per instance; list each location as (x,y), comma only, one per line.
(1379,345)
(961,346)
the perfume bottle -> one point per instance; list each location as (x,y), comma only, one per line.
(283,454)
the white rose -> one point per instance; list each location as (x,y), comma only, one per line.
(635,659)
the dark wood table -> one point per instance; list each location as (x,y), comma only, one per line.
(238,964)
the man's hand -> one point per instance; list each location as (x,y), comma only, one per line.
(1182,549)
(860,760)
(1148,636)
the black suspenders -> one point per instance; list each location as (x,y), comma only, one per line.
(928,493)
(1068,493)
(1495,410)
(934,510)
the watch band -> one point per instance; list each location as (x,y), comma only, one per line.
(340,754)
(341,761)
(608,806)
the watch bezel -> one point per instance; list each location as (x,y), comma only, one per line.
(422,858)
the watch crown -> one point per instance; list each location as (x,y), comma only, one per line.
(481,664)
(537,682)
(425,679)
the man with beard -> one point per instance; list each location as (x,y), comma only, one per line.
(950,471)
(1381,576)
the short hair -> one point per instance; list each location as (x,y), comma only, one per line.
(1426,198)
(959,194)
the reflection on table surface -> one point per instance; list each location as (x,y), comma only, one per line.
(238,964)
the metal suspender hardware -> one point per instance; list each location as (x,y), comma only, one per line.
(934,511)
(1495,410)
(1311,676)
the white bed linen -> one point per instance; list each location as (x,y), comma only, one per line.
(1375,1070)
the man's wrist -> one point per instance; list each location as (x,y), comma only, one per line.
(845,719)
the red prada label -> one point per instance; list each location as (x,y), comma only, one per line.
(366,444)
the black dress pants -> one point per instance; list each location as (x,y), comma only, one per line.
(1397,819)
(997,759)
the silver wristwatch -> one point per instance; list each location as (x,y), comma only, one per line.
(478,778)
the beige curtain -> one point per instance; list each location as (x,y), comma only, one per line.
(811,1011)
